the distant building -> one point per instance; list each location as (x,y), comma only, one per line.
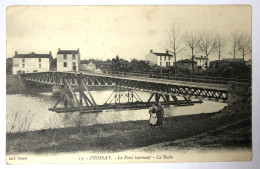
(96,65)
(159,59)
(104,66)
(87,66)
(68,60)
(29,63)
(202,62)
(187,64)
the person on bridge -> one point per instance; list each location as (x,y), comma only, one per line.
(159,113)
(153,116)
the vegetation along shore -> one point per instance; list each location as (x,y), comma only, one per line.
(228,128)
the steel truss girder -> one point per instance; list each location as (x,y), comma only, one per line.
(57,78)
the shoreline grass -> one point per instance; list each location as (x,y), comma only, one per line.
(205,130)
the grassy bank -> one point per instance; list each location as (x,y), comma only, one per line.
(203,130)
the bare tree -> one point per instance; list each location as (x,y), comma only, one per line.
(221,41)
(192,42)
(234,37)
(208,44)
(174,43)
(244,44)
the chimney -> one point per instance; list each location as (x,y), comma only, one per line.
(32,53)
(78,49)
(151,51)
(16,52)
(59,49)
(50,52)
(167,52)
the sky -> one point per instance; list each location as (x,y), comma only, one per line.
(102,32)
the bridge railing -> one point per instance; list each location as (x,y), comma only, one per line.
(186,78)
(177,77)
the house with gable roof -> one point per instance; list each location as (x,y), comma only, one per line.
(30,63)
(159,59)
(68,60)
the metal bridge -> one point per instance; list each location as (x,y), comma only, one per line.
(161,87)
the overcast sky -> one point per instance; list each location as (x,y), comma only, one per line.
(102,32)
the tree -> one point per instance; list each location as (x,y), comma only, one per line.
(191,40)
(207,44)
(244,44)
(174,43)
(221,41)
(9,63)
(234,37)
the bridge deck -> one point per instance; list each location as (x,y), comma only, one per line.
(194,87)
(162,81)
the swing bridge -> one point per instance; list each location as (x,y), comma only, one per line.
(74,93)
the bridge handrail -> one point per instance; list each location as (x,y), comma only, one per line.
(167,76)
(188,78)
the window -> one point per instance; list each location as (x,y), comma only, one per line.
(73,64)
(40,59)
(160,57)
(73,57)
(164,57)
(40,65)
(64,56)
(169,58)
(23,65)
(65,64)
(160,63)
(23,60)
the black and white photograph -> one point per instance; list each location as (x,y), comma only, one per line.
(128,84)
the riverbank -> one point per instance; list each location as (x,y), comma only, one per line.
(204,131)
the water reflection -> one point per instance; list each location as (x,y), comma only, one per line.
(22,109)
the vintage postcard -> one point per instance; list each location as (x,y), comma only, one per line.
(128,84)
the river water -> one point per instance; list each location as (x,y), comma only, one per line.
(30,112)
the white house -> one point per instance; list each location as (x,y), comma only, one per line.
(159,59)
(68,59)
(202,62)
(88,66)
(28,63)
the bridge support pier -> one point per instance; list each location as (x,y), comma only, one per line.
(68,96)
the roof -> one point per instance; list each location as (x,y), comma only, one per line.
(32,55)
(68,52)
(162,54)
(203,58)
(84,62)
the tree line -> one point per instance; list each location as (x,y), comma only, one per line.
(207,43)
